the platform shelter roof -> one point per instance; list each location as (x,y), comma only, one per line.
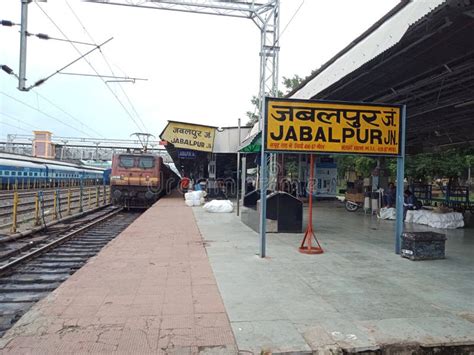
(420,54)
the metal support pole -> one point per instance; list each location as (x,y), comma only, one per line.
(238,173)
(400,183)
(263,203)
(69,201)
(23,40)
(237,184)
(244,177)
(97,195)
(55,205)
(81,195)
(14,212)
(37,216)
(263,188)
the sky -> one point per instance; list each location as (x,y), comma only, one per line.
(199,68)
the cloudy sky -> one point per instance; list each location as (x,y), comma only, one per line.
(199,68)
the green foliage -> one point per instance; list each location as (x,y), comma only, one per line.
(451,163)
(291,165)
(253,116)
(292,83)
(289,83)
(362,165)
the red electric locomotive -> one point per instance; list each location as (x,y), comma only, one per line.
(139,179)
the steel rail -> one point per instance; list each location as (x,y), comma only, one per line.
(10,265)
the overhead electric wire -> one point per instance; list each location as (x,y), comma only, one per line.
(107,62)
(291,20)
(64,111)
(17,119)
(8,124)
(92,67)
(67,113)
(41,81)
(44,113)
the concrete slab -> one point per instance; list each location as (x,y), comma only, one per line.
(359,295)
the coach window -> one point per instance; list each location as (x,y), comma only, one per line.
(7,173)
(126,161)
(13,172)
(146,163)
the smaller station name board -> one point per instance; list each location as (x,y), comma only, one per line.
(332,127)
(189,136)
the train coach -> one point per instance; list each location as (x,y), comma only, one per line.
(139,179)
(27,172)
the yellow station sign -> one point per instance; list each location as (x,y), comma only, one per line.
(189,136)
(332,127)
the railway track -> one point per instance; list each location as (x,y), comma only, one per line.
(67,202)
(32,268)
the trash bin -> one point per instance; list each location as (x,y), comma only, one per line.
(423,245)
(287,210)
(250,199)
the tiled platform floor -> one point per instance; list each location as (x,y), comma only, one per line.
(150,291)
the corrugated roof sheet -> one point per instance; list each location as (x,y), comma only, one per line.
(385,36)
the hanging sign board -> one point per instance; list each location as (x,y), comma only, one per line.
(187,154)
(332,127)
(189,136)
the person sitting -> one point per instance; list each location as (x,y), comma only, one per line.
(410,202)
(390,195)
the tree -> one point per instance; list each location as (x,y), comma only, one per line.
(289,83)
(292,83)
(362,165)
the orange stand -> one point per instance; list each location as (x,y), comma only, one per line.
(306,244)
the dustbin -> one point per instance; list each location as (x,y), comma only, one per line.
(287,210)
(250,199)
(423,245)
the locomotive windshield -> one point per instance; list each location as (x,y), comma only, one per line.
(146,163)
(126,161)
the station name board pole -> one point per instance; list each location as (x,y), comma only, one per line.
(400,184)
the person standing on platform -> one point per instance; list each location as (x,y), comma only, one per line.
(184,184)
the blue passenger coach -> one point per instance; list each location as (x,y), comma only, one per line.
(28,171)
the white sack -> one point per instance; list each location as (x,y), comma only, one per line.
(219,206)
(449,220)
(387,213)
(194,198)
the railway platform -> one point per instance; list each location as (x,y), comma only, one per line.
(183,281)
(150,291)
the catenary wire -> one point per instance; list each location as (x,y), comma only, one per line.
(17,119)
(107,62)
(67,113)
(8,124)
(90,64)
(44,113)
